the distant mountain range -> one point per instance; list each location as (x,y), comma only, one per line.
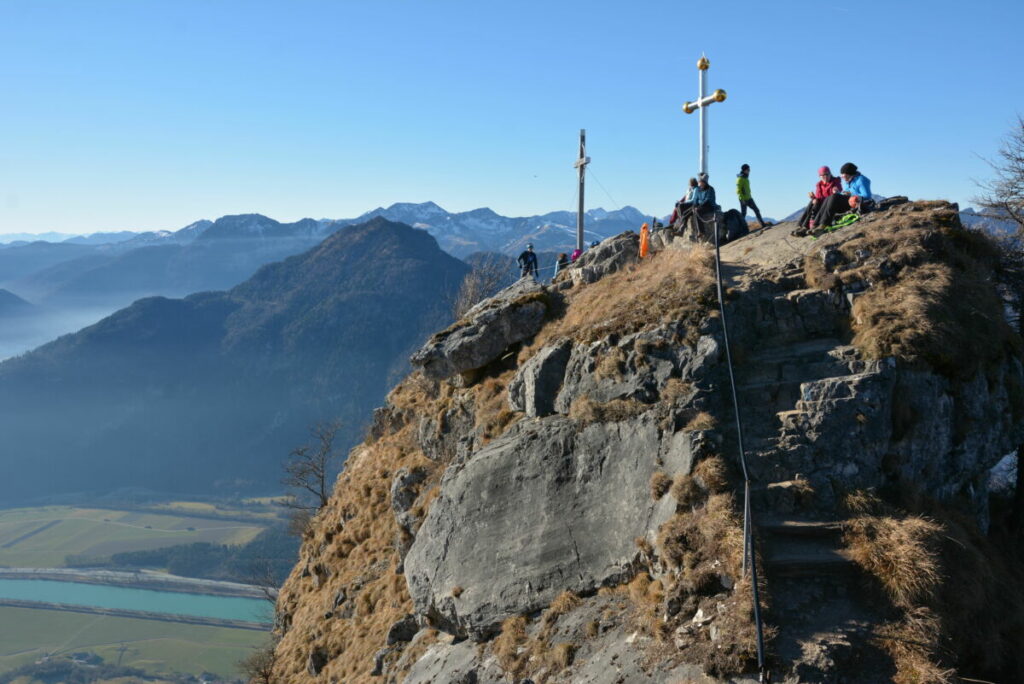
(207,394)
(11,305)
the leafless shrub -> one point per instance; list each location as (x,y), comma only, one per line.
(489,275)
(310,470)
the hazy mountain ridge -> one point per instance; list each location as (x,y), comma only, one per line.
(208,393)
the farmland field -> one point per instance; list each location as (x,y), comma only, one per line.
(42,537)
(154,646)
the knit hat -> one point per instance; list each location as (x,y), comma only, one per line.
(745,167)
(702,177)
(824,171)
(848,168)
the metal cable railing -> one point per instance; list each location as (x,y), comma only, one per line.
(749,561)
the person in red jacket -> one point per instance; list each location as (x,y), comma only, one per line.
(827,186)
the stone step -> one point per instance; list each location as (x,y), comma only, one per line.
(799,528)
(807,347)
(806,559)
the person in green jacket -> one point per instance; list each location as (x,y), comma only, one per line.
(743,191)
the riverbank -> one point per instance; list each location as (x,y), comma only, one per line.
(137,614)
(142,579)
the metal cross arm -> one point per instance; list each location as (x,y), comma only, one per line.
(717,96)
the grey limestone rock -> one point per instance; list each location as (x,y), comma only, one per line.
(403,630)
(455,663)
(608,257)
(649,359)
(513,315)
(535,385)
(403,488)
(545,508)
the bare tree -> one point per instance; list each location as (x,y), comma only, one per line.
(1004,195)
(259,665)
(309,470)
(489,274)
(1004,192)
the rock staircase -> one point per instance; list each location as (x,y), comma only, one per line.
(797,347)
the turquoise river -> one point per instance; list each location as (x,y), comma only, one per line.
(124,598)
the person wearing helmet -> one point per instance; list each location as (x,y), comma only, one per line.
(826,186)
(528,262)
(746,199)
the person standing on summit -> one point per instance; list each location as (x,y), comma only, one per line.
(528,262)
(743,192)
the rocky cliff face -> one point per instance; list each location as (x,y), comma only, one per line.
(554,495)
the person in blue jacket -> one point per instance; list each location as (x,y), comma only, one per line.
(703,205)
(856,194)
(703,197)
(856,184)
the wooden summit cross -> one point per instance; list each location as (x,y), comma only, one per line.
(703,102)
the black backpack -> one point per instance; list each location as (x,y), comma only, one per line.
(735,226)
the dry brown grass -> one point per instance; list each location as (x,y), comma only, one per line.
(352,540)
(712,474)
(671,286)
(507,646)
(611,365)
(660,484)
(939,306)
(912,644)
(702,421)
(493,416)
(861,502)
(686,491)
(587,411)
(674,389)
(901,553)
(713,531)
(562,604)
(701,545)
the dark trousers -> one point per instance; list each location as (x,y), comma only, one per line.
(808,214)
(831,207)
(750,203)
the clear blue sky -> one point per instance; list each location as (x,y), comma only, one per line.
(143,115)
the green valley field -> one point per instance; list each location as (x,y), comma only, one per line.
(159,648)
(43,537)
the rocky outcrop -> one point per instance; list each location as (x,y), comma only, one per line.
(537,382)
(486,331)
(570,509)
(607,257)
(582,499)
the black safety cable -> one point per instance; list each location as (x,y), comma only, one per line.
(748,520)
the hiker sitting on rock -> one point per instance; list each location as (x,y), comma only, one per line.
(683,206)
(703,198)
(561,264)
(826,186)
(857,187)
(528,262)
(856,194)
(703,207)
